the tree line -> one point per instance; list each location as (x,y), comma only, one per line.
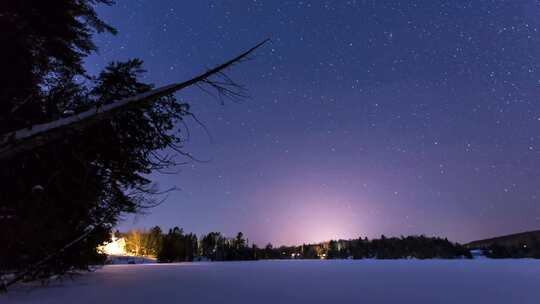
(178,246)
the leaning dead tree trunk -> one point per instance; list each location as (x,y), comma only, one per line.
(27,139)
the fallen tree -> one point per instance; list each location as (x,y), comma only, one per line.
(29,138)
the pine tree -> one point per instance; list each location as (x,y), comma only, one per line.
(85,174)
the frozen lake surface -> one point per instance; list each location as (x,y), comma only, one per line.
(337,281)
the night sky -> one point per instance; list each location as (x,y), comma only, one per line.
(365,117)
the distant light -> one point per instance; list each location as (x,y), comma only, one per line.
(38,188)
(115,247)
(68,112)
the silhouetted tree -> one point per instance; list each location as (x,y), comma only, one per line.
(154,241)
(79,162)
(332,251)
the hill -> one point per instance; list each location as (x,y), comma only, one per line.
(530,239)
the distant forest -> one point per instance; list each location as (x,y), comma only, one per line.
(177,246)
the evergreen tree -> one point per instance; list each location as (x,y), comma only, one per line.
(43,43)
(210,244)
(239,241)
(332,251)
(268,251)
(95,170)
(154,241)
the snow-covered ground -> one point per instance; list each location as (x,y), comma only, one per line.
(345,281)
(126,259)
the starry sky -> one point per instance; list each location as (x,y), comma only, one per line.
(365,117)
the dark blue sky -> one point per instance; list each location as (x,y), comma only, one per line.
(366,117)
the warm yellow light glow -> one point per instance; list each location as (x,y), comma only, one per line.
(117,246)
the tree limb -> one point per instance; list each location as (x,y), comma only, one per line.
(27,139)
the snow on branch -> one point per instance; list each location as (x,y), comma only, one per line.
(27,139)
